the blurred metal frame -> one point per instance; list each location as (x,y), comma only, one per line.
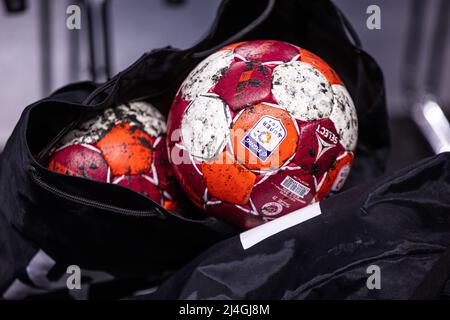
(74,40)
(98,19)
(98,38)
(423,104)
(95,38)
(45,27)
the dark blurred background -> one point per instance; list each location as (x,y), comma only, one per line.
(39,54)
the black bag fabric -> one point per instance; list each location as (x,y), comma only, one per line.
(122,240)
(400,224)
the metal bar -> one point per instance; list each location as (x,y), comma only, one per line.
(99,42)
(105,14)
(91,41)
(438,46)
(46,46)
(74,48)
(427,113)
(433,124)
(413,50)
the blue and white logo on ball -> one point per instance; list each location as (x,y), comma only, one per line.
(265,136)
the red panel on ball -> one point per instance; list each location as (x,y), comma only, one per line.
(267,50)
(318,146)
(80,161)
(336,175)
(141,185)
(283,192)
(188,175)
(245,83)
(235,216)
(176,117)
(164,171)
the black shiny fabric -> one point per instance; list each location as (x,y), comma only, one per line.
(401,224)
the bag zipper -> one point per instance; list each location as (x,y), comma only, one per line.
(92,203)
(99,90)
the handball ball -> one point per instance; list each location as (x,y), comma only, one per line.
(124,146)
(260,129)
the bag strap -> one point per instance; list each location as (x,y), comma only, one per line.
(249,28)
(352,35)
(434,282)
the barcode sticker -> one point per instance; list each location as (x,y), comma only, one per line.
(295,187)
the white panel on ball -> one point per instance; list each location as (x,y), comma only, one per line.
(205,128)
(206,74)
(302,90)
(344,117)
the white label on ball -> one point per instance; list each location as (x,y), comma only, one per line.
(265,136)
(262,232)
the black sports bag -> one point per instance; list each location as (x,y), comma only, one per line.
(123,241)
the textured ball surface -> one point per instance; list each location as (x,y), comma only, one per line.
(124,146)
(260,129)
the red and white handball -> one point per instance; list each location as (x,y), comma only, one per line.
(260,129)
(124,146)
